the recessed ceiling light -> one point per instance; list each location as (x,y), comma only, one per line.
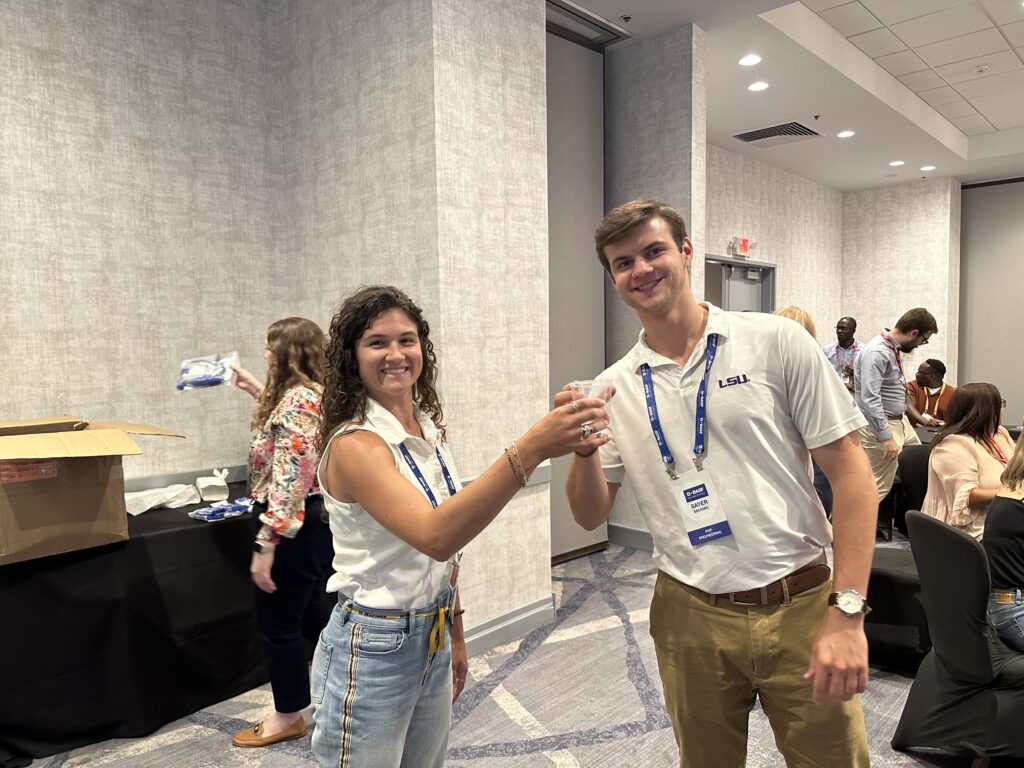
(760,85)
(845,134)
(896,163)
(750,60)
(927,167)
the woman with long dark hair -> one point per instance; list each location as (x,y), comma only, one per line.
(292,548)
(967,457)
(392,658)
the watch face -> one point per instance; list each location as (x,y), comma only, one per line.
(848,602)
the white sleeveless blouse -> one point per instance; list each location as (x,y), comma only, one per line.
(373,566)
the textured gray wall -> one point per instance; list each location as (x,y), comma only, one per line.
(136,211)
(655,145)
(797,222)
(176,174)
(900,250)
(992,273)
(357,139)
(492,267)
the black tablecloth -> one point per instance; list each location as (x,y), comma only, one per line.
(118,640)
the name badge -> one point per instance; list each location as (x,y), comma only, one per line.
(701,509)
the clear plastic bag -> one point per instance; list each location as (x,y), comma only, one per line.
(208,371)
(222,510)
(172,496)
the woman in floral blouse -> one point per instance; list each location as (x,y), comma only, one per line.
(292,552)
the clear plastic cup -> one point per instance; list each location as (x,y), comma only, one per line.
(598,388)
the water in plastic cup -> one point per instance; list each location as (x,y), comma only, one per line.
(590,388)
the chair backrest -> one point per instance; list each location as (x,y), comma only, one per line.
(955,587)
(913,471)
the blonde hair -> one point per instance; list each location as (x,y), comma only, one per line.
(795,313)
(1013,475)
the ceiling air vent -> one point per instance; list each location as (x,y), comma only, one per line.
(575,23)
(777,134)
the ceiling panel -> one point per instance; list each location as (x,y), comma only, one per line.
(902,63)
(891,12)
(939,96)
(958,108)
(922,81)
(1004,11)
(986,86)
(972,125)
(994,64)
(821,5)
(952,22)
(878,42)
(965,47)
(1015,32)
(997,101)
(850,19)
(1010,117)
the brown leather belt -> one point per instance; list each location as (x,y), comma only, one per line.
(802,579)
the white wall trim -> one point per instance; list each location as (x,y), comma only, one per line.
(513,625)
(630,537)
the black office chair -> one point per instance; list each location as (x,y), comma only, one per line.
(912,471)
(968,696)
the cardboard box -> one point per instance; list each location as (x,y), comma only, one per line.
(62,484)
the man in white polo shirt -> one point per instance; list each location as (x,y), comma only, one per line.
(715,418)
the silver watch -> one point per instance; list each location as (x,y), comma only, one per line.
(850,601)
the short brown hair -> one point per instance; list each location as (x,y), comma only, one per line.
(618,223)
(917,319)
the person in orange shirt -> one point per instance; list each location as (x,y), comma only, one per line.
(928,395)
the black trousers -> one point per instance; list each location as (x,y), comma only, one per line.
(299,609)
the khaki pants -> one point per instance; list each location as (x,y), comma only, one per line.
(715,659)
(883,470)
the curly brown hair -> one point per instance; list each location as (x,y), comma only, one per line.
(296,348)
(344,398)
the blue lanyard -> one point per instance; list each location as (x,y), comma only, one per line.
(422,480)
(700,430)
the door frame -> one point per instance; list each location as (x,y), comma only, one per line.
(767,282)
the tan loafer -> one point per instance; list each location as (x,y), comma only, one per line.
(253,737)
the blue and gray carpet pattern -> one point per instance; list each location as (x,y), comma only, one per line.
(581,692)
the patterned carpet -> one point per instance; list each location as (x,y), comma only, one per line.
(580,692)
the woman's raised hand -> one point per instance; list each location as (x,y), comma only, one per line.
(246,382)
(571,426)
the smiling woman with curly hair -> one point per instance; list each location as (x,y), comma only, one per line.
(392,658)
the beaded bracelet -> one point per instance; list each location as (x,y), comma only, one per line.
(517,466)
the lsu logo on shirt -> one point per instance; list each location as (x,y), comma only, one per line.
(733,381)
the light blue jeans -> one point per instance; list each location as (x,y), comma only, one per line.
(381,700)
(1007,619)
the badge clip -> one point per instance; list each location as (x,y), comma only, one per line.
(670,468)
(698,463)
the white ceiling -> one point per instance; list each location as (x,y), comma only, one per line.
(929,82)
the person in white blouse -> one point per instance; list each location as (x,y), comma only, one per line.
(967,457)
(392,658)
